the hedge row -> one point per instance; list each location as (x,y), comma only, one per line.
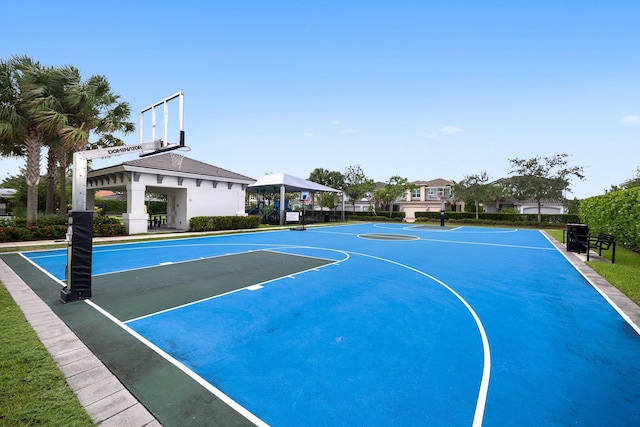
(214,223)
(116,207)
(15,231)
(378,216)
(617,213)
(506,218)
(12,233)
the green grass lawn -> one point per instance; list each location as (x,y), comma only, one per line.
(33,390)
(624,274)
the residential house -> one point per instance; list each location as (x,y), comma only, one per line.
(428,196)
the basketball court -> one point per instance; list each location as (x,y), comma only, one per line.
(367,324)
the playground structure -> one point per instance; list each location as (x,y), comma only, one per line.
(269,214)
(282,184)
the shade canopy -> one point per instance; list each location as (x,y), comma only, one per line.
(274,182)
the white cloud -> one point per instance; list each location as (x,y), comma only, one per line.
(334,122)
(308,135)
(631,118)
(448,130)
(347,132)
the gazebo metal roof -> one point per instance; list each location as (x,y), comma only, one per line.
(292,184)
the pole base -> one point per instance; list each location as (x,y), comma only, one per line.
(67,295)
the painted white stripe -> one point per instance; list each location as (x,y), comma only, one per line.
(486,370)
(597,288)
(208,386)
(51,276)
(261,284)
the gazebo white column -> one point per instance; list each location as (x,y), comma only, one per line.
(91,199)
(282,204)
(136,218)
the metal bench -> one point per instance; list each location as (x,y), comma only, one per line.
(604,241)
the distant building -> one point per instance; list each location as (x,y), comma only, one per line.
(428,196)
(6,194)
(528,206)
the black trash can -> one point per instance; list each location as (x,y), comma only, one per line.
(577,237)
(327,217)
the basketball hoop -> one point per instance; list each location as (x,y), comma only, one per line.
(176,160)
(163,120)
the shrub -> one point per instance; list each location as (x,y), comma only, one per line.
(375,216)
(15,234)
(55,227)
(617,213)
(48,232)
(106,226)
(500,217)
(52,220)
(214,223)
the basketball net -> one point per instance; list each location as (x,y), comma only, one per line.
(176,160)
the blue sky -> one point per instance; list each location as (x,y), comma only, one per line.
(420,89)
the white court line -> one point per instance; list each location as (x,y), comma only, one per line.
(266,248)
(500,245)
(483,390)
(208,386)
(459,230)
(486,370)
(456,242)
(51,276)
(254,286)
(597,288)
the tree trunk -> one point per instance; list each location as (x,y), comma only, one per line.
(539,210)
(62,161)
(51,183)
(33,144)
(63,189)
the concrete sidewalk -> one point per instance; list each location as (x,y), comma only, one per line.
(105,399)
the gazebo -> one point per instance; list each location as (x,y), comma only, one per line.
(192,188)
(288,184)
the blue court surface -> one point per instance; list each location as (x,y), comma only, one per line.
(401,325)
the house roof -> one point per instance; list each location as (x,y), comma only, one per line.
(178,163)
(438,182)
(172,162)
(292,184)
(7,192)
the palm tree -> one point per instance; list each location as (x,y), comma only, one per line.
(90,106)
(29,111)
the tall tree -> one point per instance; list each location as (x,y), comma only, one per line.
(394,188)
(333,179)
(29,111)
(356,184)
(540,178)
(90,106)
(475,188)
(52,166)
(319,176)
